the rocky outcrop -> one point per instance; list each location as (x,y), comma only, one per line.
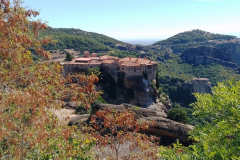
(139,112)
(165,128)
(144,94)
(235,50)
(206,54)
(198,85)
(79,120)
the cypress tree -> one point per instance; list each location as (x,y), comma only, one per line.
(157,80)
(69,57)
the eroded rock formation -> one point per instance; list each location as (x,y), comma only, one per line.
(198,85)
(206,54)
(167,129)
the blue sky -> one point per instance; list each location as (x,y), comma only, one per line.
(141,19)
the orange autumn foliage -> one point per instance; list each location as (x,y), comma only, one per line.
(119,135)
(29,90)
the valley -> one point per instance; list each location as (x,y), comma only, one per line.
(188,55)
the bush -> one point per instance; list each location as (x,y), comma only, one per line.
(152,84)
(178,114)
(99,100)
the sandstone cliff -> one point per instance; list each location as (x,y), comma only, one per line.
(136,90)
(198,85)
(234,47)
(167,129)
(206,54)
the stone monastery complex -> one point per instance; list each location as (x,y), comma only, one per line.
(129,66)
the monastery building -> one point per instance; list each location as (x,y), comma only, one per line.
(129,66)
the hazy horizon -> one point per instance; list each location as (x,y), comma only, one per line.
(150,19)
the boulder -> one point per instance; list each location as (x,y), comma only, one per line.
(139,112)
(78,120)
(165,128)
(169,128)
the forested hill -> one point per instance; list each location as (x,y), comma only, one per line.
(193,36)
(79,40)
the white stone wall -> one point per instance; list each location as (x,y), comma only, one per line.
(132,71)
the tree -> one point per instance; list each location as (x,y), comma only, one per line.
(116,130)
(219,139)
(157,80)
(69,57)
(29,91)
(178,114)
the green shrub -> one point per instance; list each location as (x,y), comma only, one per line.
(152,84)
(178,114)
(99,100)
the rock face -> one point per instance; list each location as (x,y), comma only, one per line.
(198,85)
(235,50)
(167,129)
(206,54)
(143,93)
(136,90)
(78,120)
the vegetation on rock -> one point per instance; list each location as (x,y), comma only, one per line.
(178,114)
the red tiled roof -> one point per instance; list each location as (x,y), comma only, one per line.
(107,57)
(108,61)
(82,59)
(136,61)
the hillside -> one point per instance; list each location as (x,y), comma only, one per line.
(193,36)
(79,40)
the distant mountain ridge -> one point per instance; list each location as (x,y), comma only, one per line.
(193,36)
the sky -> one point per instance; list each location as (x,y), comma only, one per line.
(140,19)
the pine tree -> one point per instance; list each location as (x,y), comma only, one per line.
(69,57)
